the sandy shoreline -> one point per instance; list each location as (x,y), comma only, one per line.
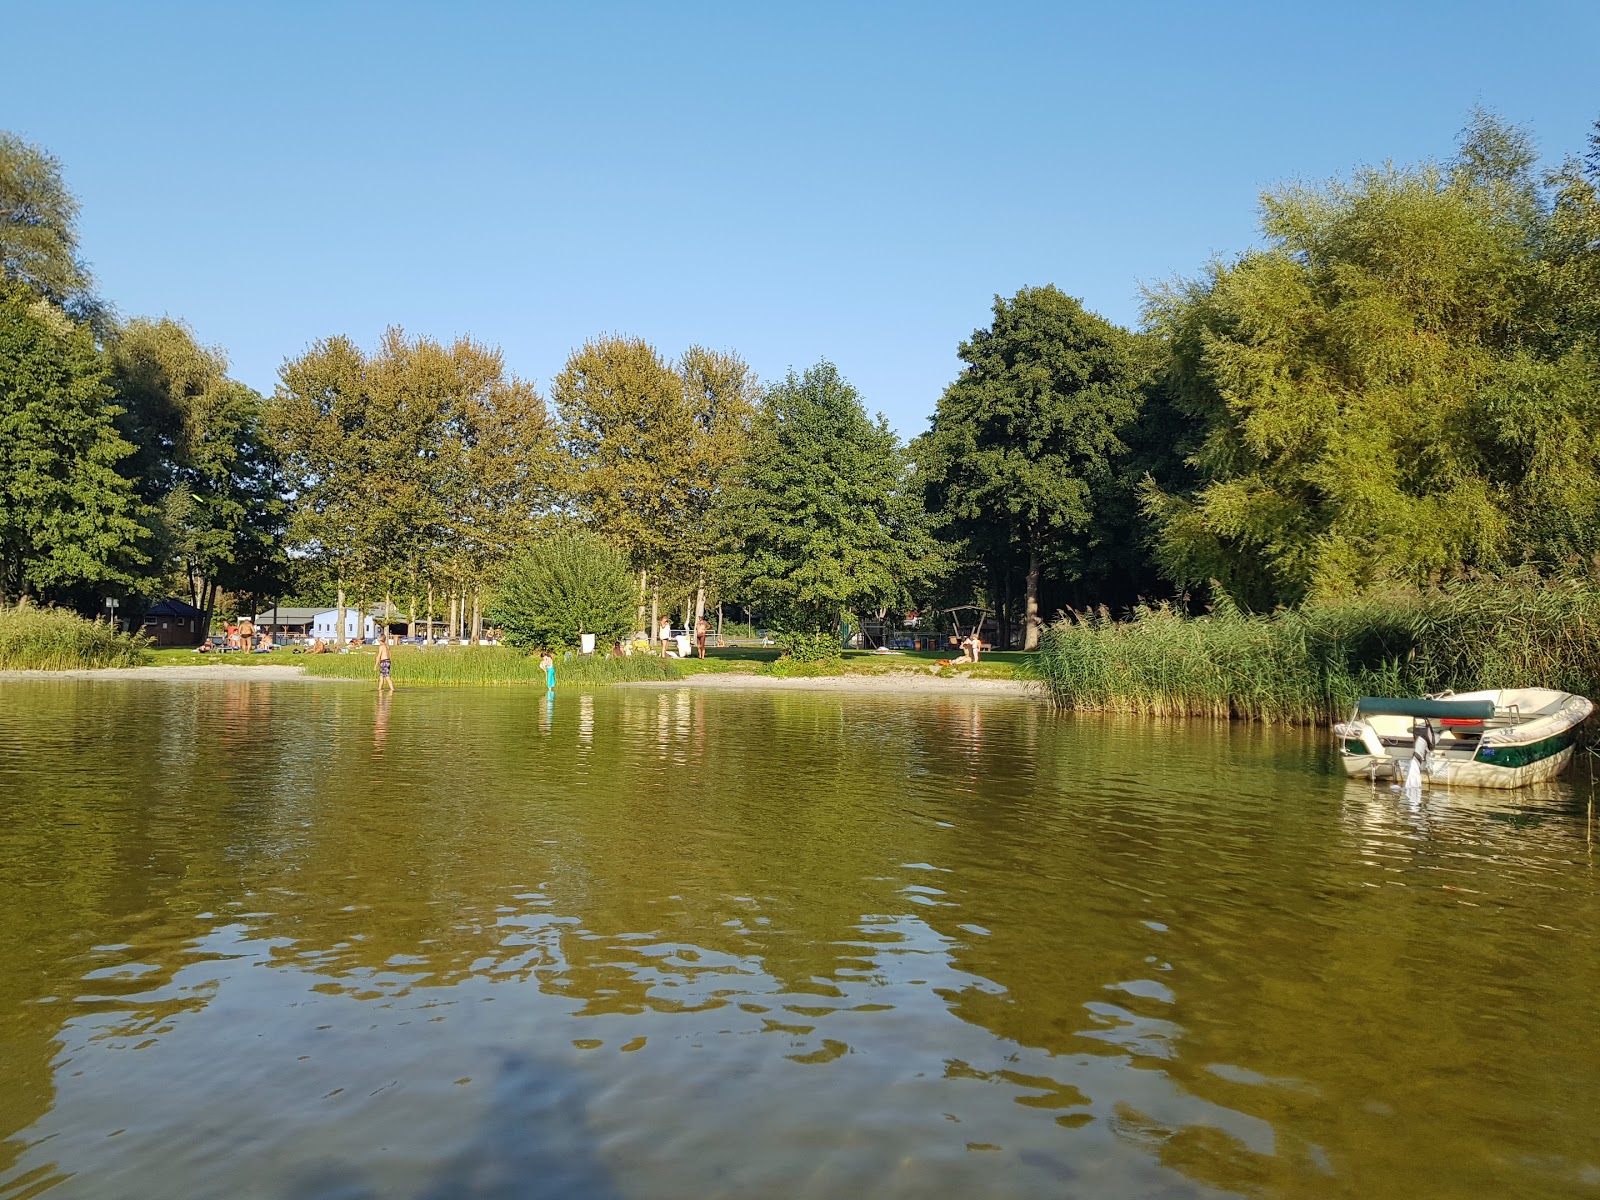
(898,683)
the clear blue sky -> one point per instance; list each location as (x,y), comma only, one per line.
(850,181)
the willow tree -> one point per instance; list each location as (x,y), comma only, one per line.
(39,230)
(1027,436)
(1403,384)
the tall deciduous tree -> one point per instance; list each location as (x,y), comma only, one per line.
(417,462)
(201,460)
(1024,440)
(648,447)
(69,518)
(1397,387)
(824,520)
(38,228)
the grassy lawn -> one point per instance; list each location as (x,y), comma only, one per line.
(499,664)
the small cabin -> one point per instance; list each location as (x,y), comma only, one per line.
(173,622)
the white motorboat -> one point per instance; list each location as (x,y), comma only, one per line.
(1493,739)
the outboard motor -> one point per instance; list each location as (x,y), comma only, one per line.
(1423,742)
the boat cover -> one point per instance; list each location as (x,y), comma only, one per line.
(1387,706)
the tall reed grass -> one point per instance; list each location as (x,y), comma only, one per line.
(1308,666)
(472,666)
(54,639)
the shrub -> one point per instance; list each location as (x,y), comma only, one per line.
(54,639)
(808,647)
(569,585)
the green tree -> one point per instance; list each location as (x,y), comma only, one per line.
(69,519)
(1029,435)
(419,462)
(1396,388)
(38,228)
(824,519)
(201,461)
(555,590)
(648,447)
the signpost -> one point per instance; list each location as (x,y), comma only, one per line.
(111,604)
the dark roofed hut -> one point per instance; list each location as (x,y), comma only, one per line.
(172,622)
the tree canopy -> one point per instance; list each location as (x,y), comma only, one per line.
(1402,384)
(1028,436)
(823,520)
(69,519)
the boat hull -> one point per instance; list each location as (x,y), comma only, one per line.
(1461,772)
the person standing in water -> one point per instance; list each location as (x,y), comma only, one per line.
(385,663)
(549,665)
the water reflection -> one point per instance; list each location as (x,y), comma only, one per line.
(289,943)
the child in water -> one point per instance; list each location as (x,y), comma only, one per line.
(549,665)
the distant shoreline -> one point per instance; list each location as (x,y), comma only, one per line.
(903,683)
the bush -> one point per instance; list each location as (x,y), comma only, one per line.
(54,639)
(569,585)
(809,647)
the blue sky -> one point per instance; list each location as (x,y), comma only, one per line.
(850,181)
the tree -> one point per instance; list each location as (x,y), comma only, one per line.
(823,520)
(555,590)
(38,228)
(1396,388)
(1028,436)
(201,461)
(415,463)
(648,447)
(68,517)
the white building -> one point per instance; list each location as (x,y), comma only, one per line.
(326,625)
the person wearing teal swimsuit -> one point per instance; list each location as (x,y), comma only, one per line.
(549,665)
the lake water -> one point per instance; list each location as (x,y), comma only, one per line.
(286,940)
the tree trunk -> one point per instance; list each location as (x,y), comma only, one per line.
(411,618)
(450,629)
(655,612)
(700,600)
(430,614)
(719,622)
(643,579)
(477,616)
(1030,637)
(338,635)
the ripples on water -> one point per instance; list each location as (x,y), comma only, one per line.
(287,941)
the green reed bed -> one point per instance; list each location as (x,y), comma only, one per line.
(1307,666)
(470,666)
(55,639)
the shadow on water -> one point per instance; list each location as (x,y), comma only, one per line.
(532,1144)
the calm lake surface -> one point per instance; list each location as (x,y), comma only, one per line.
(285,940)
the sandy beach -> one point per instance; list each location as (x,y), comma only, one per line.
(896,683)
